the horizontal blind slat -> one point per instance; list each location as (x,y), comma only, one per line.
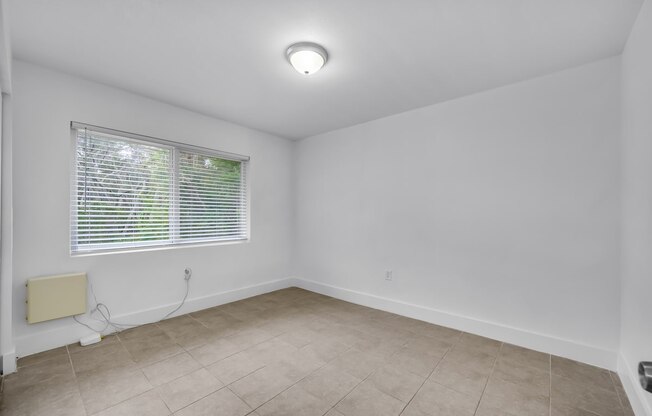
(123,195)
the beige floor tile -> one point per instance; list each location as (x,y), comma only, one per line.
(60,354)
(54,370)
(329,384)
(525,376)
(297,366)
(272,350)
(187,332)
(296,352)
(560,409)
(149,345)
(481,344)
(469,356)
(357,363)
(221,403)
(583,395)
(429,346)
(235,367)
(171,368)
(515,399)
(581,372)
(367,400)
(296,402)
(468,377)
(223,324)
(101,390)
(214,351)
(396,382)
(249,337)
(49,398)
(325,350)
(300,337)
(147,404)
(419,363)
(103,357)
(440,333)
(515,355)
(436,400)
(183,391)
(260,386)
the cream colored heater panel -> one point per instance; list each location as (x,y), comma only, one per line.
(55,297)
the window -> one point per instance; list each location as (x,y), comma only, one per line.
(131,191)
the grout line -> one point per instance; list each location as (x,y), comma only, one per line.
(613,382)
(489,378)
(350,391)
(431,373)
(304,377)
(550,385)
(74,374)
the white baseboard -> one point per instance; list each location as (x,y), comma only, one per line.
(8,363)
(637,396)
(58,337)
(53,338)
(540,342)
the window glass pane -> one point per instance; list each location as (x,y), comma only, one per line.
(212,198)
(123,192)
(130,192)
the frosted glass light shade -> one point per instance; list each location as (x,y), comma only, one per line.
(307,58)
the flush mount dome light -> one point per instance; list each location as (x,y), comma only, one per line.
(307,58)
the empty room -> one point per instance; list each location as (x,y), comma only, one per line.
(326,208)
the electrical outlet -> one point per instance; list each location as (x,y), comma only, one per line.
(187,273)
(389,275)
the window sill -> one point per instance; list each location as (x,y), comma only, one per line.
(101,252)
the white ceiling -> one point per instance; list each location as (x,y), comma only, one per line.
(226,58)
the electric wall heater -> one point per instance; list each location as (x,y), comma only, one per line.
(53,297)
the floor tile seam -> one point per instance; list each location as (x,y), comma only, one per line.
(622,404)
(74,373)
(550,385)
(347,394)
(298,381)
(488,379)
(429,375)
(516,364)
(224,386)
(177,377)
(224,358)
(197,320)
(130,398)
(19,367)
(151,388)
(592,385)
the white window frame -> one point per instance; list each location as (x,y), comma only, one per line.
(175,240)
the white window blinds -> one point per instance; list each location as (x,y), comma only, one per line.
(130,191)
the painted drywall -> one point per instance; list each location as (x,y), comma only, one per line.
(134,283)
(7,349)
(636,325)
(501,207)
(7,345)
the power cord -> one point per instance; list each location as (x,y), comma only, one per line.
(105,313)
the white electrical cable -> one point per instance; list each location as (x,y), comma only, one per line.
(105,312)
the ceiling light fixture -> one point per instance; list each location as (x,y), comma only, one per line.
(306,57)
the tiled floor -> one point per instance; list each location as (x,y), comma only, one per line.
(294,352)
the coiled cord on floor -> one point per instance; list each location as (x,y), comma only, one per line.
(105,314)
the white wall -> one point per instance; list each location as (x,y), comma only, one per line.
(7,348)
(502,207)
(44,103)
(636,324)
